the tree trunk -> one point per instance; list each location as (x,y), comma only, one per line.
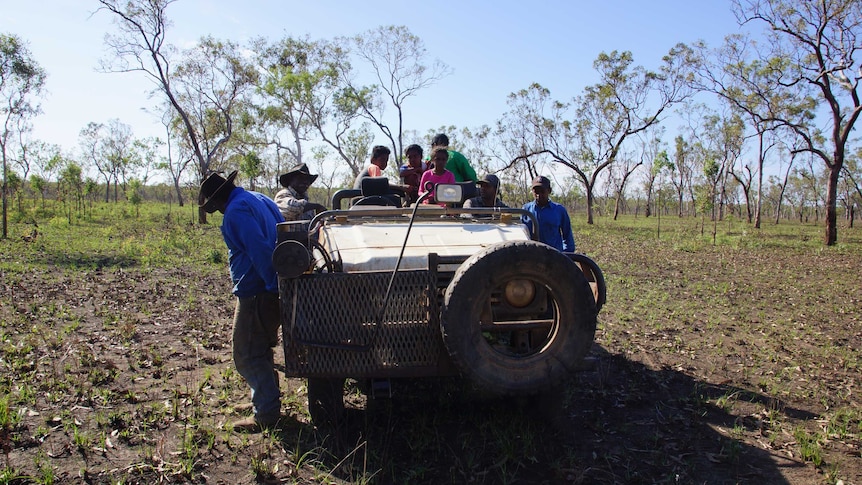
(831,235)
(202,214)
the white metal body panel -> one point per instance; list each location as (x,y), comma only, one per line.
(375,246)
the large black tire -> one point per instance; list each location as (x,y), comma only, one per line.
(559,333)
(326,403)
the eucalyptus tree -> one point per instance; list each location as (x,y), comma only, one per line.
(22,80)
(308,85)
(399,63)
(744,176)
(721,134)
(780,184)
(522,130)
(91,141)
(210,83)
(810,183)
(754,86)
(296,75)
(853,180)
(119,153)
(203,90)
(70,187)
(819,46)
(110,149)
(659,164)
(176,160)
(587,134)
(681,171)
(651,147)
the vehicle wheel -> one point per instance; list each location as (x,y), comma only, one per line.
(518,317)
(326,402)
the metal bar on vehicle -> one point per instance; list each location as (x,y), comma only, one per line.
(516,325)
(430,211)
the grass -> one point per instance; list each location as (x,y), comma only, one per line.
(115,345)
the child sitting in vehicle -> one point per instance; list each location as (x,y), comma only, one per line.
(436,175)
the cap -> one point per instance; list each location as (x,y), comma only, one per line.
(490,179)
(542,181)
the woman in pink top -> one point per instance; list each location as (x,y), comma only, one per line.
(436,175)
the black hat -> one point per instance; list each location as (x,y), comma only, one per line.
(491,180)
(542,181)
(300,169)
(212,186)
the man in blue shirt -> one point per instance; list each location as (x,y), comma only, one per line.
(249,230)
(555,228)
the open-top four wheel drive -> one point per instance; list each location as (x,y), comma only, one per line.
(376,291)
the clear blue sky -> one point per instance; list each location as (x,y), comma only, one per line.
(494,48)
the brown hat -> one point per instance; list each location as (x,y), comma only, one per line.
(214,185)
(542,181)
(491,180)
(300,169)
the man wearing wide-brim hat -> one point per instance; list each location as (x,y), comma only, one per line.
(292,200)
(249,231)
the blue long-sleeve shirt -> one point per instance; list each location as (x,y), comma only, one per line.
(249,230)
(555,228)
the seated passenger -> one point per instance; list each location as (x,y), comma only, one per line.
(437,175)
(379,161)
(292,200)
(411,172)
(489,186)
(458,163)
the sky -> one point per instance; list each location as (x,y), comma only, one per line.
(494,48)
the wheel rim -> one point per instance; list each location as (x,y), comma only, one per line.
(519,331)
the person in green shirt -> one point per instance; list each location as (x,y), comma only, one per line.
(458,163)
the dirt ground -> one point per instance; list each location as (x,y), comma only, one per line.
(128,378)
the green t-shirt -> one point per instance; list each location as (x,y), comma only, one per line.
(460,166)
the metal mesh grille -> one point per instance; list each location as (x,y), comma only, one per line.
(329,324)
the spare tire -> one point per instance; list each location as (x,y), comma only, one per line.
(518,317)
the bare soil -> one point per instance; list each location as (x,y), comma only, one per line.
(709,367)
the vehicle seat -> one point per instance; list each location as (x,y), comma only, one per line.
(376,191)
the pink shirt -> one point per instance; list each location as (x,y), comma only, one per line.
(429,176)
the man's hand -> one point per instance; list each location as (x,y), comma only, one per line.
(317,208)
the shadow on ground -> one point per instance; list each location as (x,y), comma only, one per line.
(620,422)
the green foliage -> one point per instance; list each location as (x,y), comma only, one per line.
(117,235)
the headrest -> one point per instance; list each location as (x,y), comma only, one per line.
(468,189)
(374,186)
